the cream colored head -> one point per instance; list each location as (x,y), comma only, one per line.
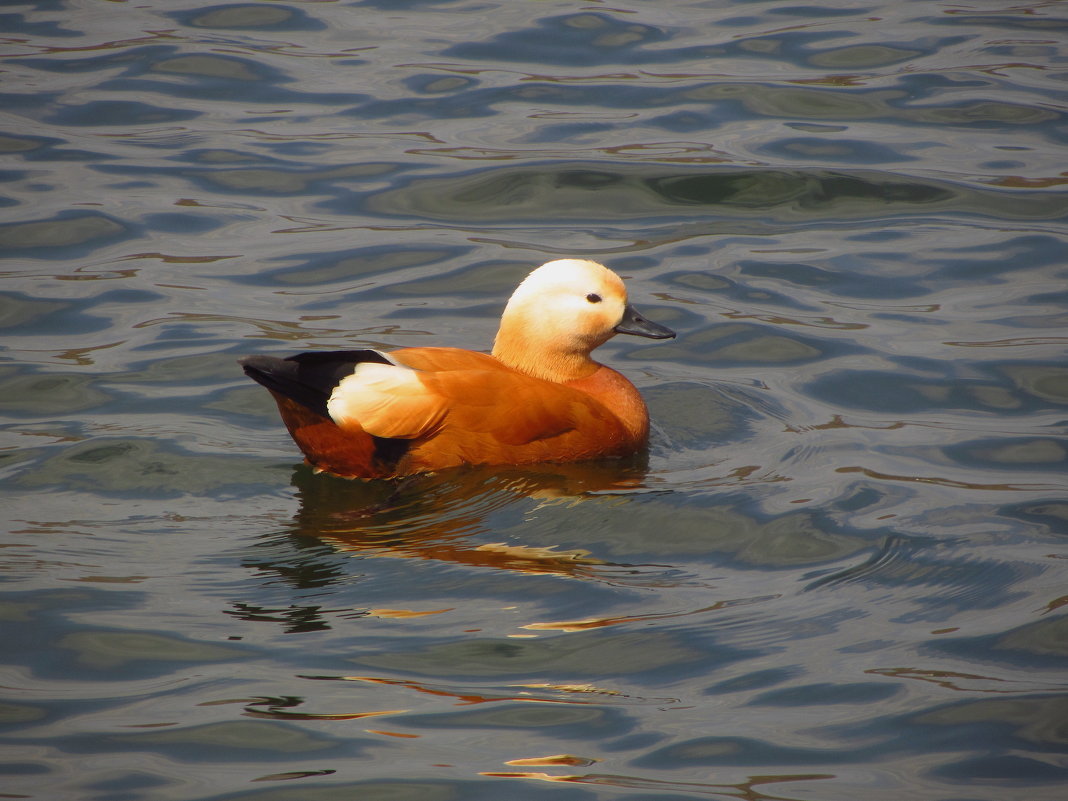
(559,314)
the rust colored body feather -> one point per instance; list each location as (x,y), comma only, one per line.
(372,415)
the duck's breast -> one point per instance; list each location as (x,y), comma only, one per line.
(617,393)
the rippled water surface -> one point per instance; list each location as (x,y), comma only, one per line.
(841,573)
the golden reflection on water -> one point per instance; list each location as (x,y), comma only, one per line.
(948,482)
(569,760)
(948,679)
(596,623)
(405,613)
(280,714)
(745,791)
(571,694)
(1056,603)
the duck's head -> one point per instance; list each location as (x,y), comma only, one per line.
(560,313)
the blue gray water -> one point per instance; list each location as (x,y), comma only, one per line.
(843,571)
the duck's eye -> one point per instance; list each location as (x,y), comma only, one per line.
(593,297)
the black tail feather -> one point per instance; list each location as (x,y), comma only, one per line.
(308,378)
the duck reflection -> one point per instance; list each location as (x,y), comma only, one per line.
(457,516)
(447,517)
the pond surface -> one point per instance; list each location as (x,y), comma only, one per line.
(841,573)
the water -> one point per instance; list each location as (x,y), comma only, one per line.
(839,575)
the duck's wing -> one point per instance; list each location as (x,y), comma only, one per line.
(389,401)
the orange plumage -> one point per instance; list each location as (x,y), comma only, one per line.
(539,397)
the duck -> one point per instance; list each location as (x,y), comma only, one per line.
(538,396)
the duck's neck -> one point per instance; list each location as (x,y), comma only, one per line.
(541,358)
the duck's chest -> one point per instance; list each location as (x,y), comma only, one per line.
(620,396)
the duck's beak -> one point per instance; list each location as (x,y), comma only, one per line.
(634,323)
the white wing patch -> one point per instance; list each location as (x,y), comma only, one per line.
(386,401)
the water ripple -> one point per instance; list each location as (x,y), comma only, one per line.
(838,572)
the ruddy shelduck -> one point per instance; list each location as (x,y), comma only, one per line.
(539,397)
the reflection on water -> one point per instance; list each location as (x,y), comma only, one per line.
(839,573)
